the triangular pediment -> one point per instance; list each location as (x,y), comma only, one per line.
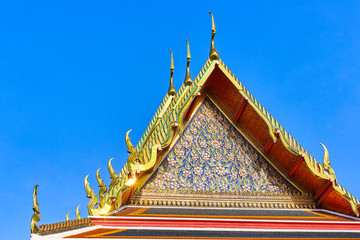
(212,157)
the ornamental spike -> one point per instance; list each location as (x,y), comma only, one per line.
(67,217)
(188,80)
(77,213)
(214,55)
(36,216)
(171,90)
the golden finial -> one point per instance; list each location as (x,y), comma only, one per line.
(188,80)
(129,145)
(36,216)
(113,176)
(214,55)
(77,213)
(102,190)
(90,194)
(171,90)
(67,217)
(111,170)
(326,161)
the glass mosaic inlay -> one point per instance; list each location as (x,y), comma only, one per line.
(213,155)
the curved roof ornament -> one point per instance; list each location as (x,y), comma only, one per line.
(102,190)
(214,55)
(67,217)
(171,90)
(36,216)
(188,80)
(326,162)
(77,213)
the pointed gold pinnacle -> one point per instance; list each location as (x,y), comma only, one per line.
(171,90)
(67,217)
(214,55)
(188,80)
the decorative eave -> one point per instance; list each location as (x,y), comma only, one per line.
(64,226)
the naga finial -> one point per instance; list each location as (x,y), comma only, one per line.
(77,213)
(326,161)
(214,55)
(188,80)
(129,145)
(111,170)
(102,190)
(171,90)
(113,176)
(67,217)
(36,216)
(90,194)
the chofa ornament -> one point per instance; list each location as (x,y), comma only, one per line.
(36,216)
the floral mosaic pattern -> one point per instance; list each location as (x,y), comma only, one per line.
(212,155)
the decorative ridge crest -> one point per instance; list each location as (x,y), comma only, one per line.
(64,225)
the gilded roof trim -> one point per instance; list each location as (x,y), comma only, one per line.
(287,140)
(161,130)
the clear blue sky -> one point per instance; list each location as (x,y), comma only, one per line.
(76,75)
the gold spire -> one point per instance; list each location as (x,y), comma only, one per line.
(188,80)
(171,90)
(77,213)
(36,216)
(214,55)
(67,217)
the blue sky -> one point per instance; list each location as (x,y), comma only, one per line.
(76,75)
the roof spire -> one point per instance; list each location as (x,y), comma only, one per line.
(171,90)
(214,55)
(188,79)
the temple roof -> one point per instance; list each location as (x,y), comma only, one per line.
(280,177)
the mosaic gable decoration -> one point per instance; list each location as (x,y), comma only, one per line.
(212,155)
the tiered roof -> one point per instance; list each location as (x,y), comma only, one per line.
(317,183)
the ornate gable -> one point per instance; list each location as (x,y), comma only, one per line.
(212,156)
(191,154)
